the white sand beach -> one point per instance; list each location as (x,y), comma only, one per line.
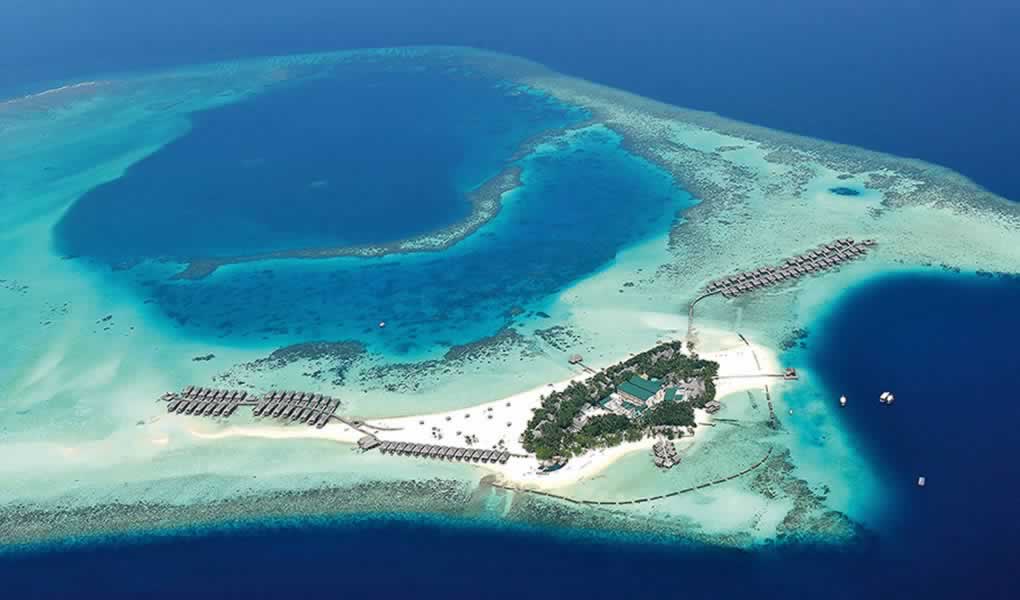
(500,423)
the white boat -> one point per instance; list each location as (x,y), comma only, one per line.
(884,397)
(921,481)
(890,399)
(842,400)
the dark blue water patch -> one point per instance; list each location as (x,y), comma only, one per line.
(945,345)
(371,154)
(579,205)
(845,191)
(401,558)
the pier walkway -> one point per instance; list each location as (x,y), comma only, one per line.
(477,455)
(823,258)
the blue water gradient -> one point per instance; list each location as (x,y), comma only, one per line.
(563,224)
(373,153)
(943,343)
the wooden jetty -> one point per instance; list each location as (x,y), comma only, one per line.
(476,455)
(301,407)
(827,256)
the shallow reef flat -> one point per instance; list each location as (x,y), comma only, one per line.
(692,196)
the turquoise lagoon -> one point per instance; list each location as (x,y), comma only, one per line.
(598,250)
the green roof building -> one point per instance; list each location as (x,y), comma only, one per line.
(638,388)
(673,395)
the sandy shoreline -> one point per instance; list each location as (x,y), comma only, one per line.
(741,368)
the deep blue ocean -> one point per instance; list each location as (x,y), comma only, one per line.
(935,81)
(373,153)
(930,80)
(954,421)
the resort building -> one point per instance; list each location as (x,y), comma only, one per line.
(638,390)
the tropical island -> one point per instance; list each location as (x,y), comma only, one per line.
(654,392)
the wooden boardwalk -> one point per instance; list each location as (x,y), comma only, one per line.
(438,452)
(825,257)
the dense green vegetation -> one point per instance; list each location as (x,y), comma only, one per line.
(550,432)
(676,414)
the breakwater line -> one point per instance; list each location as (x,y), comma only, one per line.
(641,500)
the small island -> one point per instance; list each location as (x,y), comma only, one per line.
(654,392)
